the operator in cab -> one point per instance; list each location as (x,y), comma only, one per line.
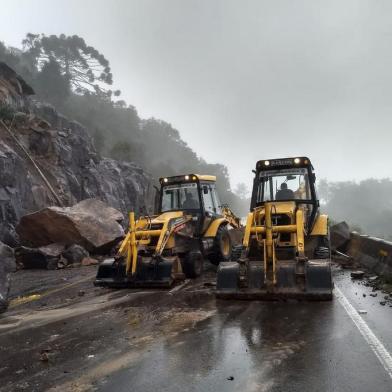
(284,193)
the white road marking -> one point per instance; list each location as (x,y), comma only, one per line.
(378,348)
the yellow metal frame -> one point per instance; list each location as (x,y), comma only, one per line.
(267,230)
(213,227)
(320,225)
(138,235)
(228,218)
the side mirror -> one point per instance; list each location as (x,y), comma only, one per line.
(205,190)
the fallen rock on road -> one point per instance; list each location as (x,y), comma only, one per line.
(75,254)
(89,261)
(91,224)
(46,257)
(7,265)
(340,236)
(357,274)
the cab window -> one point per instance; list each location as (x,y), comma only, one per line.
(285,184)
(217,203)
(208,199)
(180,197)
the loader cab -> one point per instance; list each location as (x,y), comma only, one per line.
(194,194)
(289,181)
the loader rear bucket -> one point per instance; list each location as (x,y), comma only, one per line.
(314,283)
(149,273)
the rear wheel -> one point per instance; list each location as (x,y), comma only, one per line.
(221,250)
(192,264)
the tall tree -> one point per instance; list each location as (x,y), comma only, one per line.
(51,84)
(84,67)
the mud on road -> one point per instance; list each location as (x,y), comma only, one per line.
(61,332)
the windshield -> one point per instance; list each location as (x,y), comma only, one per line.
(180,197)
(284,184)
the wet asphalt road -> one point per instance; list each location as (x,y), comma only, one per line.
(259,346)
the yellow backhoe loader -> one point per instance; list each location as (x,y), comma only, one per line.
(285,251)
(191,225)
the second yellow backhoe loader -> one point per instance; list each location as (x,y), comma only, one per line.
(285,252)
(191,225)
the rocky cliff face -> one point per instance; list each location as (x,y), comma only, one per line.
(63,151)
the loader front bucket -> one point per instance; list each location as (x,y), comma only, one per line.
(247,281)
(150,272)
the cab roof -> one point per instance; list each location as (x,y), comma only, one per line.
(188,177)
(269,164)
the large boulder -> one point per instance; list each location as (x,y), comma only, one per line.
(340,236)
(91,224)
(43,257)
(7,265)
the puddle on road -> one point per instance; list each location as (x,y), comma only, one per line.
(238,348)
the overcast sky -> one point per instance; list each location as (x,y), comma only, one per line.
(244,80)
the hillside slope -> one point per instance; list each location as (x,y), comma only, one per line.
(63,151)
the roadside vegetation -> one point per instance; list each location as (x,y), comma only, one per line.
(77,79)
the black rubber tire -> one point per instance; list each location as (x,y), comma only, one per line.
(192,265)
(219,253)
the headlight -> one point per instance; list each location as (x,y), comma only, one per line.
(297,161)
(186,178)
(165,180)
(266,163)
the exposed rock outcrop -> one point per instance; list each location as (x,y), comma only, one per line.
(13,89)
(64,153)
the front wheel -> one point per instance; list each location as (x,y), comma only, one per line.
(221,250)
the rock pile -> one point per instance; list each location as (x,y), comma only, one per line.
(56,237)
